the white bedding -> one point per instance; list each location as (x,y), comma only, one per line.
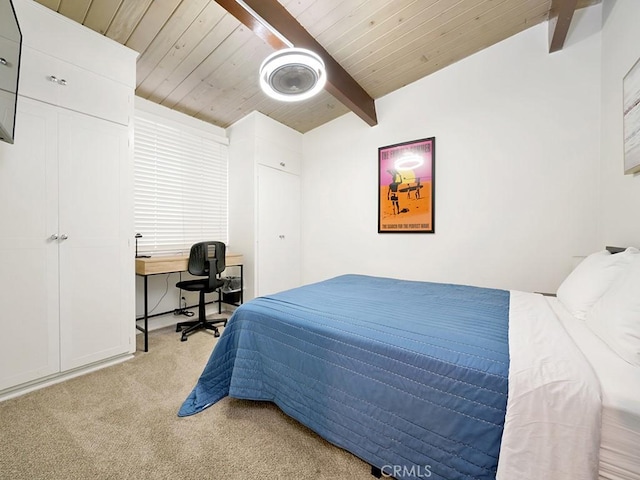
(620,385)
(552,425)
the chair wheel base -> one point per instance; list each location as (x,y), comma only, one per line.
(186,328)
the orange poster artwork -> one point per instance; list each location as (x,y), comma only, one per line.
(406,187)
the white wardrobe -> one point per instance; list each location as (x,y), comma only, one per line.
(66,206)
(264,202)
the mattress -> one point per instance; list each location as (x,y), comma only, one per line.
(620,386)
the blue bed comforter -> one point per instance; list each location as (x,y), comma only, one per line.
(409,376)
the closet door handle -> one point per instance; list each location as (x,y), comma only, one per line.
(60,81)
(53,237)
(63,236)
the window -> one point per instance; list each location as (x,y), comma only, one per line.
(180,185)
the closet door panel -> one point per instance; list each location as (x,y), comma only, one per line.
(91,303)
(57,82)
(29,344)
(279,251)
(36,70)
(272,154)
(90,93)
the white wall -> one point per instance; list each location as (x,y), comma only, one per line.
(620,193)
(516,178)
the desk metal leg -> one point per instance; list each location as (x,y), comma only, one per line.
(145,329)
(146,315)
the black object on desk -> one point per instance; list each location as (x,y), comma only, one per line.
(137,236)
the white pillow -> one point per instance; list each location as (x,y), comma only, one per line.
(615,318)
(590,279)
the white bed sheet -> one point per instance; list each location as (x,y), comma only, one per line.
(620,386)
(552,424)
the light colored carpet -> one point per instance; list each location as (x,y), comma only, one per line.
(121,423)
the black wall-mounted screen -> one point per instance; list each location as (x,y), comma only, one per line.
(10,49)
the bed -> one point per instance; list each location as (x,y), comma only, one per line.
(434,380)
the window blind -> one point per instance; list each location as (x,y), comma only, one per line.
(180,187)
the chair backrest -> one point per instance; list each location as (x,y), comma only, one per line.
(204,255)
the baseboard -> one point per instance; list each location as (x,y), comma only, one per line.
(60,377)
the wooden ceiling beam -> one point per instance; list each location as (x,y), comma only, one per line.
(560,17)
(339,83)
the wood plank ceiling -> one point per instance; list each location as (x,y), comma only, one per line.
(198,59)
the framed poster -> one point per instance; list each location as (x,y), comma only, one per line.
(631,119)
(406,193)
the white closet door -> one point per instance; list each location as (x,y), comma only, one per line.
(29,343)
(75,88)
(92,310)
(279,258)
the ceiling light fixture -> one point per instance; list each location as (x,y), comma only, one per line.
(292,74)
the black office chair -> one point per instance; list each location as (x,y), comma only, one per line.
(206,259)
